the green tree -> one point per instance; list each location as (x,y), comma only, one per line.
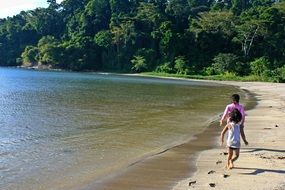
(179,10)
(214,31)
(139,64)
(72,7)
(104,40)
(260,66)
(123,36)
(49,52)
(167,67)
(274,19)
(149,16)
(13,39)
(240,5)
(250,30)
(223,22)
(96,16)
(45,22)
(30,56)
(166,41)
(280,77)
(149,56)
(119,8)
(181,65)
(225,62)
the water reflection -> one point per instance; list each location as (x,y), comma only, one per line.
(59,126)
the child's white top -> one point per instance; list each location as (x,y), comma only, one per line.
(234,135)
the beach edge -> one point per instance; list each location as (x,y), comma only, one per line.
(260,164)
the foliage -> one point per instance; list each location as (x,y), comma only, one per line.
(260,66)
(103,38)
(225,62)
(165,68)
(280,75)
(139,64)
(233,39)
(30,55)
(181,65)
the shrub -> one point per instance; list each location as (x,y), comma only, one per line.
(280,74)
(139,64)
(181,65)
(149,55)
(209,71)
(165,68)
(225,62)
(260,67)
(29,56)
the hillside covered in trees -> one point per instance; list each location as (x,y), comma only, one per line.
(205,37)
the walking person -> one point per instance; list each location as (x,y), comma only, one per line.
(233,128)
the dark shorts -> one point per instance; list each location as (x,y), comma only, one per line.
(232,148)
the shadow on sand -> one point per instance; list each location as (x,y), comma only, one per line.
(259,171)
(260,149)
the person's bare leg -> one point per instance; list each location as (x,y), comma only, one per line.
(229,161)
(236,155)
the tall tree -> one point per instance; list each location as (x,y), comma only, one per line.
(119,8)
(179,10)
(45,22)
(240,5)
(96,16)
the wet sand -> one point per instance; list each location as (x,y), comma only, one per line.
(161,171)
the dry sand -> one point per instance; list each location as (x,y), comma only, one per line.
(261,165)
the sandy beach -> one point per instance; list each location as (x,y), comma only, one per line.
(261,165)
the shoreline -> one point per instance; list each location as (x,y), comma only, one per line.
(261,164)
(157,171)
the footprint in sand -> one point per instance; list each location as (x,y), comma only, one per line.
(212,184)
(211,172)
(192,183)
(218,162)
(223,153)
(226,175)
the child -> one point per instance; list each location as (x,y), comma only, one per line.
(233,140)
(228,110)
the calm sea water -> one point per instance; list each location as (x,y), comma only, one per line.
(61,130)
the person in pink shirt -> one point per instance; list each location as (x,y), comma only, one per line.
(229,108)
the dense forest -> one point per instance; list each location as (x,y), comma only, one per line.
(204,37)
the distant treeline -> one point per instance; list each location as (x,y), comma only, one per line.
(204,37)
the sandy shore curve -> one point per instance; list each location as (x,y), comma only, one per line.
(261,165)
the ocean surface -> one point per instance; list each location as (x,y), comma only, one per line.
(63,130)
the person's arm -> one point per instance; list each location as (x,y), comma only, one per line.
(224,115)
(242,134)
(223,134)
(243,115)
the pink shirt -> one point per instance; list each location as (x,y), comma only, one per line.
(230,108)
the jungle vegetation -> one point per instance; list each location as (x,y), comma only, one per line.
(240,38)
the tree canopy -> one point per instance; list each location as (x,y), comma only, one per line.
(175,36)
